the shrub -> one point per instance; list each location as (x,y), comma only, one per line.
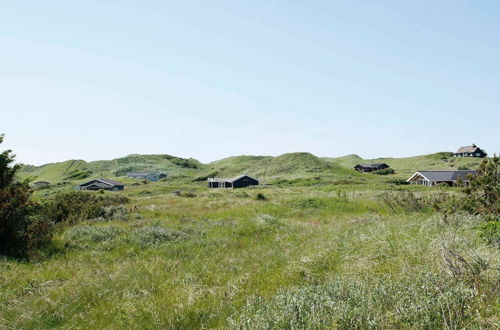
(490,232)
(189,194)
(385,171)
(155,235)
(117,212)
(397,182)
(72,207)
(261,197)
(23,229)
(185,163)
(484,190)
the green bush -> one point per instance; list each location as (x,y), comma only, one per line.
(72,207)
(385,171)
(261,197)
(155,235)
(24,229)
(490,232)
(397,182)
(117,212)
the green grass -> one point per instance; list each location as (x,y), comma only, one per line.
(309,256)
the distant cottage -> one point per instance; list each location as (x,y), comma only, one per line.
(432,178)
(237,182)
(101,184)
(470,151)
(370,167)
(150,176)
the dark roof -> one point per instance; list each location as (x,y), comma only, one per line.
(446,176)
(470,149)
(230,179)
(104,182)
(372,165)
(41,182)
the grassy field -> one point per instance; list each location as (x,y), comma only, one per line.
(321,255)
(322,247)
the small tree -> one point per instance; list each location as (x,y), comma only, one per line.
(484,189)
(23,228)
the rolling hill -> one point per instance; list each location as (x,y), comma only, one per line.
(267,168)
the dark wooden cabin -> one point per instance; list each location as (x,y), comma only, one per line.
(470,151)
(241,181)
(101,184)
(370,167)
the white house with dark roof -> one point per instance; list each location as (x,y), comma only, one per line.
(432,178)
(101,184)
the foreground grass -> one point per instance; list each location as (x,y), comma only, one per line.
(305,258)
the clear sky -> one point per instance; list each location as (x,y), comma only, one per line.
(100,79)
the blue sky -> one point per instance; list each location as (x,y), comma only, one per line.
(210,79)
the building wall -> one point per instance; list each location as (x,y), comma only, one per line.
(245,182)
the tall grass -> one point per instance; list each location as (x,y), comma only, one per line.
(303,258)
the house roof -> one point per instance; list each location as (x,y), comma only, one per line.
(470,149)
(372,165)
(446,176)
(230,179)
(104,182)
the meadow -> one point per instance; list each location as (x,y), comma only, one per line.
(336,249)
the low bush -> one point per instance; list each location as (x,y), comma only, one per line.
(72,207)
(385,171)
(261,197)
(117,212)
(397,182)
(155,235)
